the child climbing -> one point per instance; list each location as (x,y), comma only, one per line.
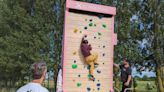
(90,59)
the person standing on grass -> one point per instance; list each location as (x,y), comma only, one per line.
(39,70)
(126,74)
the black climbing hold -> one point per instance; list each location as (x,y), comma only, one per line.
(90,20)
(89,89)
(103,63)
(103,46)
(74,61)
(98,71)
(79,75)
(85,28)
(94,37)
(103,54)
(98,84)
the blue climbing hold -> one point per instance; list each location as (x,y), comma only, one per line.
(88,67)
(100,16)
(98,84)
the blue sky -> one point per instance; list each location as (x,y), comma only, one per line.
(146,72)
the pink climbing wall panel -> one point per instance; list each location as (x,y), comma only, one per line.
(80,19)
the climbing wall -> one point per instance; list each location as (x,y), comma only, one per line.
(99,35)
(97,22)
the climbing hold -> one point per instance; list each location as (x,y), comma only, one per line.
(103,46)
(79,75)
(103,63)
(103,54)
(98,80)
(74,53)
(78,84)
(75,30)
(85,36)
(98,88)
(90,20)
(98,71)
(99,33)
(94,37)
(74,66)
(80,31)
(89,76)
(103,25)
(98,84)
(85,28)
(90,24)
(95,25)
(100,16)
(74,61)
(88,67)
(85,19)
(89,89)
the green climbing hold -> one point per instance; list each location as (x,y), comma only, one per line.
(99,34)
(78,84)
(104,26)
(89,75)
(90,24)
(74,66)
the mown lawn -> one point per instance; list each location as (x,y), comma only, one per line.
(142,86)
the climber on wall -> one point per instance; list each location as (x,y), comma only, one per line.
(90,59)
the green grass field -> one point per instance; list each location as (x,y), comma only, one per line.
(142,86)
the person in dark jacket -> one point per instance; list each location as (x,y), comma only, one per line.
(90,58)
(126,74)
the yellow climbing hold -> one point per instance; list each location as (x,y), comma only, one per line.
(75,30)
(74,53)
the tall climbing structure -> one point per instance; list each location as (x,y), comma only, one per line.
(97,22)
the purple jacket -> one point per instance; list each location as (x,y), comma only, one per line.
(85,49)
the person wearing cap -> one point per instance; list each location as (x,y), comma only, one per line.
(126,74)
(90,58)
(38,70)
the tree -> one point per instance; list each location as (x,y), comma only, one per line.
(25,26)
(151,16)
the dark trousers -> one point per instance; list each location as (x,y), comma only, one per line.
(124,87)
